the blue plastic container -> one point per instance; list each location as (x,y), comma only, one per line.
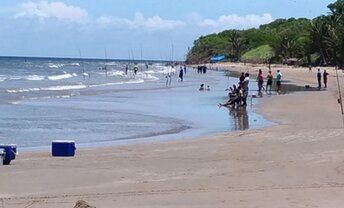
(63,148)
(11,152)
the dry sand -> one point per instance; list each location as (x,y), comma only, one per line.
(298,162)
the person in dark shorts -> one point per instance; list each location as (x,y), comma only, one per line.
(325,74)
(269,78)
(181,74)
(319,78)
(260,80)
(278,81)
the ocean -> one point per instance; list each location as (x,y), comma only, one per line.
(95,102)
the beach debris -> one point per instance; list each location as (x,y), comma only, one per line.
(82,204)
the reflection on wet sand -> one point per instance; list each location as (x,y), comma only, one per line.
(239,118)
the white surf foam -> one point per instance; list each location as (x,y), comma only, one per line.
(65,87)
(136,81)
(55,66)
(74,64)
(61,76)
(52,88)
(151,77)
(34,78)
(116,73)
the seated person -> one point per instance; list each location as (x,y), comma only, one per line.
(234,99)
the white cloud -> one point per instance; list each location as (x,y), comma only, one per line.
(237,22)
(139,22)
(57,10)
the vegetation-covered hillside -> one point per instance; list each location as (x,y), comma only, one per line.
(319,41)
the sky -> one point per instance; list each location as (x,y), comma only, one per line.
(132,29)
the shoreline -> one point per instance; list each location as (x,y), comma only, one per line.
(181,94)
(296,162)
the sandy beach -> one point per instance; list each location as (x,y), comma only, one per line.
(297,162)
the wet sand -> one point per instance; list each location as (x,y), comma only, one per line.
(298,162)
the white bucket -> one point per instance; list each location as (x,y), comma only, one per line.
(2,156)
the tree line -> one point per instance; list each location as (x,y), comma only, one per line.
(318,41)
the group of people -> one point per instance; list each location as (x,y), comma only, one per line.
(202,69)
(323,76)
(270,78)
(238,95)
(202,88)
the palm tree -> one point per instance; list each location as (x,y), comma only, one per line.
(237,44)
(319,34)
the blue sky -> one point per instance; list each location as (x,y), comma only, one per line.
(148,29)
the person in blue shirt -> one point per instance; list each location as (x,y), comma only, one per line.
(278,81)
(319,78)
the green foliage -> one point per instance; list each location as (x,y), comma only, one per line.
(261,54)
(303,39)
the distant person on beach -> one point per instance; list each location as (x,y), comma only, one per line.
(204,69)
(184,69)
(181,74)
(245,88)
(278,81)
(309,68)
(208,88)
(319,78)
(168,79)
(126,68)
(201,87)
(136,67)
(325,74)
(270,78)
(260,80)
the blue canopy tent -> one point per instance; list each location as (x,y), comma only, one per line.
(217,58)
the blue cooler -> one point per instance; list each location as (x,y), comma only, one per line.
(63,148)
(11,152)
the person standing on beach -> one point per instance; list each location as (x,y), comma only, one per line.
(325,74)
(319,78)
(242,78)
(260,80)
(181,74)
(278,81)
(136,68)
(270,78)
(126,69)
(245,88)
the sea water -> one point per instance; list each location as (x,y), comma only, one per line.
(95,102)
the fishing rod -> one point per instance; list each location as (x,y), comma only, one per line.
(82,63)
(340,100)
(105,68)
